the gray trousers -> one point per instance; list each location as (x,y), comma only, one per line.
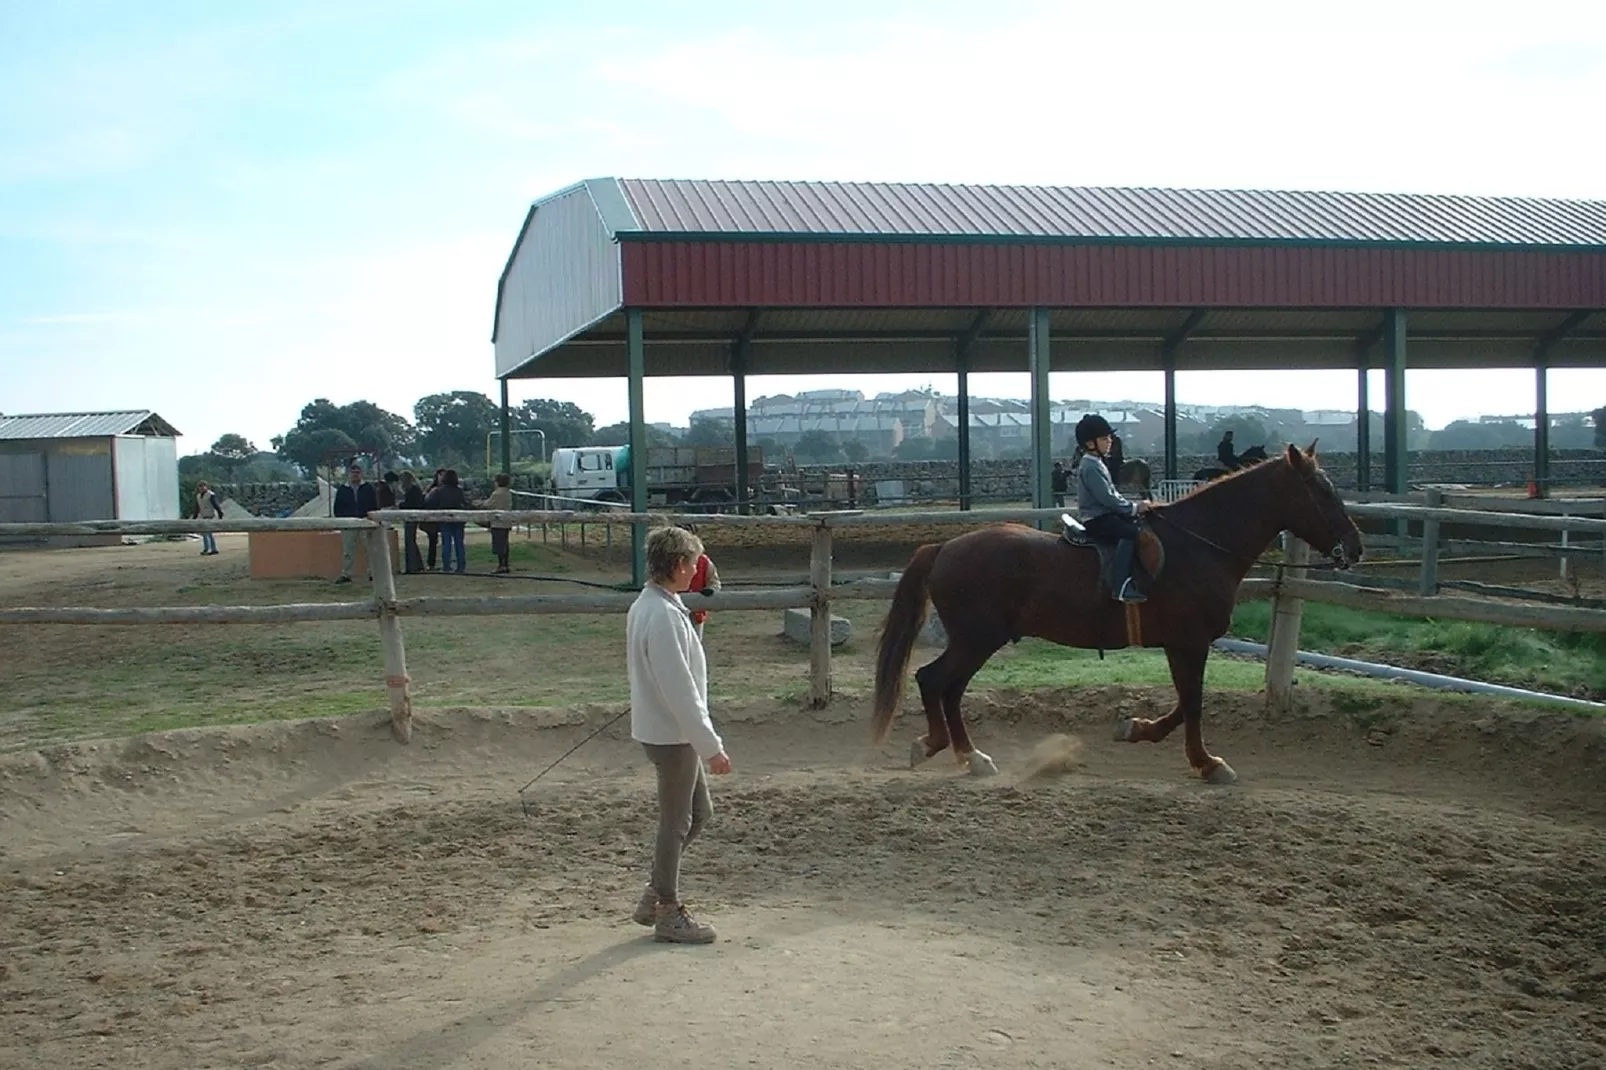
(684,807)
(348,550)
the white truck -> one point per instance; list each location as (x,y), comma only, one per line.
(676,475)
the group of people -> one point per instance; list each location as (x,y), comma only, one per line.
(357,498)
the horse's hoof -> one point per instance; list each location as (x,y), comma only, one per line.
(917,753)
(1123,730)
(981,765)
(1221,773)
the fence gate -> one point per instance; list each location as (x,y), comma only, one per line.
(1169,490)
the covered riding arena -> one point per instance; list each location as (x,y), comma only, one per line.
(644,278)
(1399,879)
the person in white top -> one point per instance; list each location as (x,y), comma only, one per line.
(669,718)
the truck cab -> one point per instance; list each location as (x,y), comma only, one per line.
(589,472)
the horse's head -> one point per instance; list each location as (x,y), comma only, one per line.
(1316,512)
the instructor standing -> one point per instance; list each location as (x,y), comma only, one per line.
(669,718)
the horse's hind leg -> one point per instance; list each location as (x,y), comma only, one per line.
(945,682)
(980,764)
(932,680)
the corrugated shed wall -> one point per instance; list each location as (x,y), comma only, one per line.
(564,276)
(667,274)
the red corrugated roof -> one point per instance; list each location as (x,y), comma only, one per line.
(1103,213)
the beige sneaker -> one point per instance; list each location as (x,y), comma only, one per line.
(646,908)
(676,926)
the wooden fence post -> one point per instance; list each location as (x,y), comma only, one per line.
(1428,581)
(820,617)
(390,634)
(1283,643)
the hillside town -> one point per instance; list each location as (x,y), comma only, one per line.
(920,424)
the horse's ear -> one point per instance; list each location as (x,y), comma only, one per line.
(1310,450)
(1298,459)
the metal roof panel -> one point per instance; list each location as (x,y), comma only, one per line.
(83,425)
(1105,213)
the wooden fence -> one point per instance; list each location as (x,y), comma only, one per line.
(1290,587)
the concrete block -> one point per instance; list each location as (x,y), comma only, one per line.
(795,623)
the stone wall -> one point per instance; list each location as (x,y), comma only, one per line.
(269,499)
(1009,479)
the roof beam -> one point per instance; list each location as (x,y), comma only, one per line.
(749,327)
(1561,332)
(1174,340)
(973,332)
(1372,337)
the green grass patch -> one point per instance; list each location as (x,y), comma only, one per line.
(1571,663)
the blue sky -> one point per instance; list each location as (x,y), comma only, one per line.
(223,210)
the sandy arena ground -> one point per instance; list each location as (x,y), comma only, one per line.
(1414,886)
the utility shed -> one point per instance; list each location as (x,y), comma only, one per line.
(69,466)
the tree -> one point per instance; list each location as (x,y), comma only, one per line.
(1469,435)
(619,435)
(710,433)
(562,422)
(325,427)
(223,461)
(454,426)
(1599,416)
(817,446)
(855,450)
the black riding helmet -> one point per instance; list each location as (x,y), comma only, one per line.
(1090,427)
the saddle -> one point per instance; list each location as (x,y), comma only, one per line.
(1148,561)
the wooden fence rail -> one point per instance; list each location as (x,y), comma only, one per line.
(1290,591)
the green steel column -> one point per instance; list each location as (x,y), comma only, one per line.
(1363,430)
(636,346)
(1171,416)
(1542,424)
(1396,441)
(507,435)
(739,420)
(963,362)
(1042,430)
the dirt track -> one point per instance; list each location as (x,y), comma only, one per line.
(1411,886)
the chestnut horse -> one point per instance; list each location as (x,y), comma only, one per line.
(994,585)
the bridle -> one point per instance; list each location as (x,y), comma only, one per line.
(1337,557)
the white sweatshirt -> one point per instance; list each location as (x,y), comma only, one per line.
(668,674)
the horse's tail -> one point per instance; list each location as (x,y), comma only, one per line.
(898,633)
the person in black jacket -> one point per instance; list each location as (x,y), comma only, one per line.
(356,498)
(1225,453)
(449,495)
(412,498)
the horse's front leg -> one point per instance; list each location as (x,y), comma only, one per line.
(1187,674)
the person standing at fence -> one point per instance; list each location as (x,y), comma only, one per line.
(449,495)
(669,717)
(355,499)
(207,507)
(412,497)
(501,499)
(431,529)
